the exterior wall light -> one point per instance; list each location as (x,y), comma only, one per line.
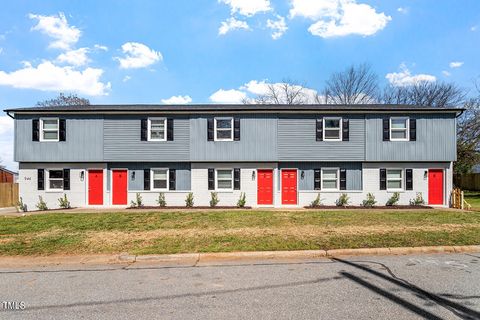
(133,175)
(82,175)
(253,175)
(302,175)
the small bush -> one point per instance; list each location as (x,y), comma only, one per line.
(63,202)
(138,201)
(214,199)
(21,206)
(343,200)
(394,199)
(317,202)
(370,201)
(189,200)
(242,200)
(41,205)
(161,200)
(418,201)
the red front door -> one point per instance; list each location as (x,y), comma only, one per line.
(95,187)
(265,186)
(289,186)
(119,186)
(435,186)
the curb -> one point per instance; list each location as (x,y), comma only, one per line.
(196,259)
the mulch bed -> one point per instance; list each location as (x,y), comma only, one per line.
(369,208)
(188,208)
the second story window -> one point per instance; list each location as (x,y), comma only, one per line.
(157,129)
(49,129)
(223,129)
(399,129)
(332,129)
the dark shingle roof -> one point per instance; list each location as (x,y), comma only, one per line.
(202,108)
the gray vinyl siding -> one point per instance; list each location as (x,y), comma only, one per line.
(183,173)
(84,140)
(353,170)
(258,140)
(122,141)
(297,140)
(436,140)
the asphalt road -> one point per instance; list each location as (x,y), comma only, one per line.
(399,287)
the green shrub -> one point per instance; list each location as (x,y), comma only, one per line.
(394,199)
(41,205)
(370,201)
(161,200)
(317,202)
(214,199)
(343,200)
(63,202)
(189,200)
(138,201)
(418,201)
(242,200)
(21,206)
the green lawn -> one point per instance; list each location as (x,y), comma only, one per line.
(473,198)
(235,230)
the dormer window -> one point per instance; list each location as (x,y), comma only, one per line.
(223,129)
(49,129)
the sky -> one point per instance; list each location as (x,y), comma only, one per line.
(222,51)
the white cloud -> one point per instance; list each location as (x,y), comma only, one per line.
(403,10)
(279,27)
(57,28)
(100,47)
(455,64)
(49,77)
(6,143)
(138,55)
(177,100)
(76,57)
(446,73)
(228,96)
(248,7)
(335,18)
(232,24)
(405,78)
(126,78)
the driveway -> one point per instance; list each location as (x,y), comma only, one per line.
(401,287)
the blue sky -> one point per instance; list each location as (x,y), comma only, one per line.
(223,51)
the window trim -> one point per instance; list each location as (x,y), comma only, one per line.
(322,187)
(42,139)
(48,180)
(407,128)
(402,179)
(149,129)
(340,129)
(152,188)
(216,179)
(215,138)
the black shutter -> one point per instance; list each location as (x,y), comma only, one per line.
(236,179)
(41,179)
(63,130)
(211,179)
(413,129)
(319,129)
(386,129)
(146,179)
(236,129)
(210,130)
(172,179)
(143,130)
(35,130)
(346,130)
(383,179)
(66,179)
(343,179)
(317,179)
(408,179)
(169,129)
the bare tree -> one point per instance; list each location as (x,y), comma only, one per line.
(287,92)
(355,85)
(64,100)
(424,93)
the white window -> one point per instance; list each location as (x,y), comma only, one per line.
(49,129)
(223,129)
(159,179)
(398,129)
(157,129)
(224,179)
(332,129)
(330,179)
(55,179)
(394,179)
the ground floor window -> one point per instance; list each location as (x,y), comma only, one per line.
(394,179)
(159,179)
(224,179)
(55,179)
(330,179)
